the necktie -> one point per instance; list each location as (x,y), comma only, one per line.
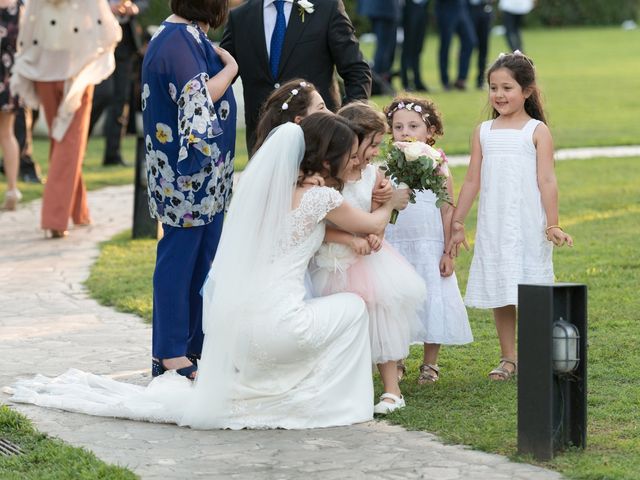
(277,38)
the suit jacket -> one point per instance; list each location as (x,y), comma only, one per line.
(312,50)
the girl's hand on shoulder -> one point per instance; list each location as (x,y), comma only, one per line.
(226,58)
(382,192)
(375,242)
(447,265)
(559,237)
(360,245)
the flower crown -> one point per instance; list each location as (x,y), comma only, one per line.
(519,54)
(294,92)
(411,107)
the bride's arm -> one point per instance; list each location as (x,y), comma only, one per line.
(355,220)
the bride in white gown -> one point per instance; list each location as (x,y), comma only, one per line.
(270,359)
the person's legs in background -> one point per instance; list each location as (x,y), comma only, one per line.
(482,18)
(447,19)
(512,24)
(385,30)
(64,193)
(11,153)
(466,33)
(117,113)
(414,23)
(23,130)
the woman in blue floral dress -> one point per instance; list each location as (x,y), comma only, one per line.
(189,114)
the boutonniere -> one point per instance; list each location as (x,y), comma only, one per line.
(305,6)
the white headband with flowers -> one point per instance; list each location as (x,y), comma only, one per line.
(517,53)
(294,92)
(411,107)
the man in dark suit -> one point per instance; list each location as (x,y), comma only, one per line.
(317,39)
(112,95)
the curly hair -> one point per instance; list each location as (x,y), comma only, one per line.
(428,112)
(272,114)
(328,138)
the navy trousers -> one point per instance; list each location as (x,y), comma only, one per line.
(453,18)
(482,18)
(385,31)
(512,23)
(183,261)
(414,22)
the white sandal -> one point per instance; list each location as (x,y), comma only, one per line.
(383,407)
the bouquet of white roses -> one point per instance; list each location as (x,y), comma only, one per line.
(417,166)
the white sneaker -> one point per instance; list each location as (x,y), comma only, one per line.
(383,407)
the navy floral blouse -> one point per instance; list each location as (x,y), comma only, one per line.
(190,140)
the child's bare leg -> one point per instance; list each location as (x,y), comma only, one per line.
(389,375)
(431,351)
(505,318)
(10,148)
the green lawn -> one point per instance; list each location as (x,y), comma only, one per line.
(44,458)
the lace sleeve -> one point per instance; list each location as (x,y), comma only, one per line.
(320,201)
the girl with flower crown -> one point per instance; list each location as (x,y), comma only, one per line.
(512,166)
(420,234)
(291,102)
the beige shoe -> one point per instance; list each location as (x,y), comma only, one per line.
(11,199)
(501,373)
(428,374)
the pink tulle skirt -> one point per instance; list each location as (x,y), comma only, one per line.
(393,291)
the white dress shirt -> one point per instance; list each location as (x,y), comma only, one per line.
(270,14)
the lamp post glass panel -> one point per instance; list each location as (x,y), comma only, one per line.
(566,347)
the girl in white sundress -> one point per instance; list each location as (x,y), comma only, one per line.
(512,167)
(420,234)
(370,267)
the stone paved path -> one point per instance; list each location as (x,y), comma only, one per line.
(49,324)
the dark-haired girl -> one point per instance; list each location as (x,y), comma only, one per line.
(512,166)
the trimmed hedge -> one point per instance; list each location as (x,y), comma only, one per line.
(583,12)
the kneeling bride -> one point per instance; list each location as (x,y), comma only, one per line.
(271,359)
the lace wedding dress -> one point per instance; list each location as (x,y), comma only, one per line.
(298,364)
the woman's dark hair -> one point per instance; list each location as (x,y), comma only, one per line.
(272,112)
(328,138)
(428,111)
(212,12)
(523,72)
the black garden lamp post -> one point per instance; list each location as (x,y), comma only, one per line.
(552,368)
